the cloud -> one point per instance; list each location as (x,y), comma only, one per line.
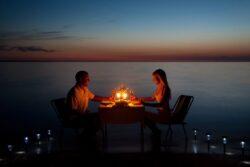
(33,35)
(24,48)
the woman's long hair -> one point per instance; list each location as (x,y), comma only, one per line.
(163,77)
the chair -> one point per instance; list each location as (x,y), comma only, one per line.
(59,106)
(179,114)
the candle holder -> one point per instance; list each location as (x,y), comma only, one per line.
(242,145)
(195,131)
(38,150)
(49,134)
(122,94)
(10,148)
(38,138)
(26,140)
(208,138)
(224,142)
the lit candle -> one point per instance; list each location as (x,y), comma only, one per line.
(124,95)
(195,134)
(208,142)
(38,136)
(208,137)
(38,150)
(26,140)
(224,141)
(118,95)
(242,144)
(10,147)
(49,132)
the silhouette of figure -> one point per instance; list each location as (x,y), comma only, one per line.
(161,99)
(77,102)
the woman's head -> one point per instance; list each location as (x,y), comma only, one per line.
(159,76)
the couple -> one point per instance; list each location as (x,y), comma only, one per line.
(79,96)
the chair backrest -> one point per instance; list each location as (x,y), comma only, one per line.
(60,107)
(181,108)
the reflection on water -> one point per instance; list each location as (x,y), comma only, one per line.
(221,91)
(195,147)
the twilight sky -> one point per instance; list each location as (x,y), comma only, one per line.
(125,30)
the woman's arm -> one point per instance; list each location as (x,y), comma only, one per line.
(148,101)
(152,104)
(151,99)
(159,99)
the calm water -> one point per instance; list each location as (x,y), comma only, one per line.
(221,91)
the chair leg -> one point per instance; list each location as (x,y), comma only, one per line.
(169,131)
(104,136)
(105,130)
(61,137)
(185,132)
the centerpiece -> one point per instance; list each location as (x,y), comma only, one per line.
(122,95)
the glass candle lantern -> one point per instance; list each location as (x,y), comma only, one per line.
(26,140)
(224,140)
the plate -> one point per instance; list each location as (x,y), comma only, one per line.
(107,102)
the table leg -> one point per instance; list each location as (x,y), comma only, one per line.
(142,137)
(104,135)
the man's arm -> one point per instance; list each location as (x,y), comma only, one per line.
(100,98)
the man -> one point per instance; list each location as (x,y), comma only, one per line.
(78,100)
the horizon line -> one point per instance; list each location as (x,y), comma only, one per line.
(245,58)
(121,61)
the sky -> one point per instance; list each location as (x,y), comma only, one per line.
(125,30)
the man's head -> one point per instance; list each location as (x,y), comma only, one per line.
(82,78)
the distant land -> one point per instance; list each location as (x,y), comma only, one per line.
(245,58)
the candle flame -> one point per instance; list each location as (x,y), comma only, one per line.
(118,95)
(122,93)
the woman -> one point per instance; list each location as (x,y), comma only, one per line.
(161,97)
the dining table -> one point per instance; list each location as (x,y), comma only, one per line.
(122,113)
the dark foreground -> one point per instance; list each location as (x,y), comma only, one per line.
(69,158)
(91,151)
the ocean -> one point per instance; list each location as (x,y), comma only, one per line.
(221,91)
